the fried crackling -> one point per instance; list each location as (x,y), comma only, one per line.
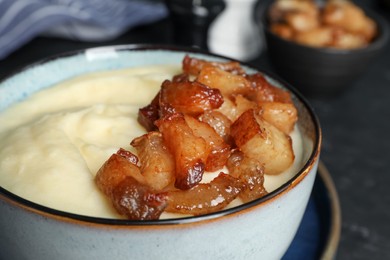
(219,122)
(193,66)
(190,97)
(137,201)
(317,37)
(128,156)
(189,151)
(257,138)
(345,40)
(283,30)
(121,181)
(280,8)
(301,21)
(119,166)
(150,113)
(205,198)
(226,82)
(337,24)
(263,91)
(251,172)
(282,115)
(219,150)
(183,77)
(156,162)
(275,104)
(228,109)
(242,104)
(232,108)
(350,17)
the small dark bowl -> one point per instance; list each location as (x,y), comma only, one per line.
(322,71)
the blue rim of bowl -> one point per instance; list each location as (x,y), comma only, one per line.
(43,210)
(380,40)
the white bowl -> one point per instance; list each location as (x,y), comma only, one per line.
(261,229)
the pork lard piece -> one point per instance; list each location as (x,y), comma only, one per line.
(189,151)
(189,97)
(150,113)
(205,197)
(263,91)
(219,151)
(282,115)
(192,66)
(251,172)
(117,168)
(136,201)
(228,83)
(156,162)
(121,181)
(258,139)
(219,122)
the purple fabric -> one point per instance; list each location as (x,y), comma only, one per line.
(83,20)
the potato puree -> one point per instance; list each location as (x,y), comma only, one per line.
(53,143)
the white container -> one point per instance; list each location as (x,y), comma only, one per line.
(234,32)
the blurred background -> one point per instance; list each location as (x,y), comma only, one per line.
(355,121)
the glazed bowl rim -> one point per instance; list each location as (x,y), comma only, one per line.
(379,42)
(30,206)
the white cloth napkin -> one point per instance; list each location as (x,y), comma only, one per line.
(84,20)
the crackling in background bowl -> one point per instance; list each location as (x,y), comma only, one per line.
(321,71)
(260,229)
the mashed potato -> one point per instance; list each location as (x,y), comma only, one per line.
(53,143)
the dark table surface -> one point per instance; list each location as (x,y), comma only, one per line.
(356,139)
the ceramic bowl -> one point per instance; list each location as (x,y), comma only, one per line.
(322,71)
(261,229)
